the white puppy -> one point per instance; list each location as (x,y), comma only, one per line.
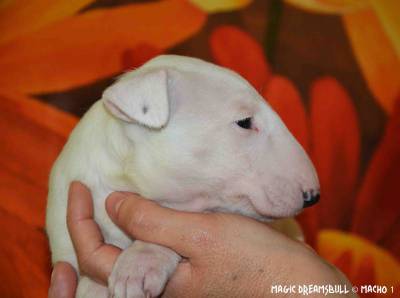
(185,133)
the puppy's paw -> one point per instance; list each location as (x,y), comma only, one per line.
(142,270)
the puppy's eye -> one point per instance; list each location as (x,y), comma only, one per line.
(245,123)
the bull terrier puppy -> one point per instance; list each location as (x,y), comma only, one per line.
(189,135)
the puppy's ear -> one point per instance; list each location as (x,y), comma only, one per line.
(142,98)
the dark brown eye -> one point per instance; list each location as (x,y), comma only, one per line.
(244,123)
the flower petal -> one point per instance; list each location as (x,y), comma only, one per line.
(90,46)
(365,273)
(136,57)
(376,56)
(345,262)
(388,13)
(308,220)
(24,262)
(336,150)
(21,17)
(213,6)
(392,240)
(285,99)
(364,254)
(380,192)
(329,6)
(235,49)
(32,136)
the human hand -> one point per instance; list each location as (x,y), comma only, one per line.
(226,255)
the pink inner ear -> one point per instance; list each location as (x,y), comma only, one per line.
(116,111)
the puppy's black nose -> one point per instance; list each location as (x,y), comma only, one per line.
(310,197)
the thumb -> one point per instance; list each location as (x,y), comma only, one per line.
(184,232)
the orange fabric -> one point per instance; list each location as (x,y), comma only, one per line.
(32,136)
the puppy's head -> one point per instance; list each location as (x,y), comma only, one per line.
(204,139)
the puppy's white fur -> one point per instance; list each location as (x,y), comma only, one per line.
(168,131)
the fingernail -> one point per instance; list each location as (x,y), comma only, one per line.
(56,284)
(118,203)
(113,203)
(52,278)
(76,188)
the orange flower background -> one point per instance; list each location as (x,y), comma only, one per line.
(330,68)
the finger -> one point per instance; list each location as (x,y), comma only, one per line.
(95,258)
(184,232)
(63,281)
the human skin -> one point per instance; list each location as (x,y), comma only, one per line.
(225,255)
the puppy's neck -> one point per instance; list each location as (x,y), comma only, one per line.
(108,151)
